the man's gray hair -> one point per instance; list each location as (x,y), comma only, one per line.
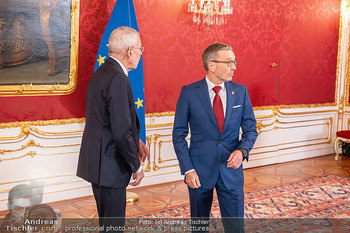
(121,39)
(210,52)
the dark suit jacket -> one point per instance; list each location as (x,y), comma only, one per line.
(209,151)
(109,149)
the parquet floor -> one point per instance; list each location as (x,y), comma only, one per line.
(172,194)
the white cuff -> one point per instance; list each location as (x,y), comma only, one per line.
(189,171)
(140,169)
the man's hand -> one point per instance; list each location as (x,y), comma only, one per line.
(144,152)
(137,176)
(235,160)
(192,180)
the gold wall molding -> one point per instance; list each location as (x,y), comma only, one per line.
(42,123)
(275,108)
(60,191)
(149,141)
(272,107)
(34,153)
(160,144)
(32,143)
(345,9)
(31,130)
(46,185)
(160,114)
(40,178)
(159,125)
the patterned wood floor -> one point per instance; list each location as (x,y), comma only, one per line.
(172,194)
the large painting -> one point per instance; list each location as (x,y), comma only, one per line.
(38,47)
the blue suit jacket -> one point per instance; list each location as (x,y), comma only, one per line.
(208,150)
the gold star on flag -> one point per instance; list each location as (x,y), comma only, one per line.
(139,103)
(101,60)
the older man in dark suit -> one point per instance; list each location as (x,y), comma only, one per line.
(111,149)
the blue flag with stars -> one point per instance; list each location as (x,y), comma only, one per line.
(124,15)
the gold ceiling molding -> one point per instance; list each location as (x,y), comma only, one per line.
(42,123)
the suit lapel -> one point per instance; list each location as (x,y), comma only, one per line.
(203,93)
(230,94)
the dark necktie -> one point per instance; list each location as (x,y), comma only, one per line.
(218,109)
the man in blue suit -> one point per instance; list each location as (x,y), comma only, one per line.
(215,108)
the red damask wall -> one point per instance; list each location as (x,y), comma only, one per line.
(300,36)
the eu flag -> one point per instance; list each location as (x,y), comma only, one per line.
(124,15)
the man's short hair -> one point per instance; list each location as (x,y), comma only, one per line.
(121,39)
(211,51)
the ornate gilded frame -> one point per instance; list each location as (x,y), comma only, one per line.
(54,89)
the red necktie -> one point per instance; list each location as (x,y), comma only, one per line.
(218,109)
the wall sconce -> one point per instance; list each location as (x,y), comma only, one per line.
(210,12)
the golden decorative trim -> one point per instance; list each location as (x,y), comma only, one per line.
(162,174)
(325,148)
(275,108)
(32,143)
(42,123)
(160,114)
(46,185)
(167,166)
(288,148)
(41,178)
(56,89)
(159,125)
(155,166)
(24,133)
(271,107)
(33,153)
(160,160)
(27,130)
(60,191)
(149,141)
(260,125)
(280,113)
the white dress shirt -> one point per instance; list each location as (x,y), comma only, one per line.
(222,93)
(123,67)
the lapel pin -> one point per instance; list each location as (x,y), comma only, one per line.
(233,92)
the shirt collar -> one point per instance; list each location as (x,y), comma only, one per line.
(211,85)
(123,67)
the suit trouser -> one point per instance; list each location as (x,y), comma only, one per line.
(231,204)
(111,205)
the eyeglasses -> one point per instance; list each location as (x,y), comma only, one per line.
(229,63)
(140,48)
